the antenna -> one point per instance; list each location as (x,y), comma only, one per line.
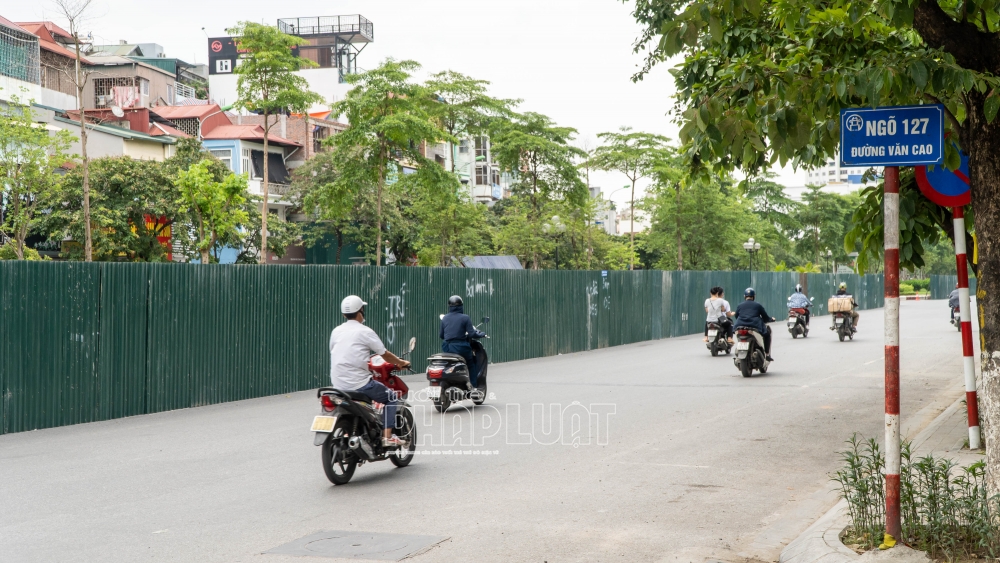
(117,111)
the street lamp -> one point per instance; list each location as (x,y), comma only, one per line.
(829,260)
(751,247)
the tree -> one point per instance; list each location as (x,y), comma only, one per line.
(267,84)
(633,154)
(75,12)
(763,81)
(776,210)
(825,219)
(465,108)
(29,162)
(389,120)
(448,224)
(217,207)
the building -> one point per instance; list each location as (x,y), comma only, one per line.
(625,222)
(194,120)
(190,80)
(309,131)
(605,216)
(334,43)
(476,168)
(58,64)
(20,68)
(837,178)
(126,83)
(114,137)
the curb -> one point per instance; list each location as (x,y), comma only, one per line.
(821,541)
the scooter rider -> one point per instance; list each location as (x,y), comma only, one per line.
(842,292)
(752,314)
(456,330)
(351,346)
(953,301)
(718,311)
(798,300)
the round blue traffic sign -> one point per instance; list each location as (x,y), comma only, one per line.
(947,188)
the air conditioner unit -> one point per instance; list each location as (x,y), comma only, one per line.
(102,100)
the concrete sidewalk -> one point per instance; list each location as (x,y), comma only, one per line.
(946,437)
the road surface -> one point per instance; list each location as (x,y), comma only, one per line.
(679,459)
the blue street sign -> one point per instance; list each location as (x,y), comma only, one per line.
(893,136)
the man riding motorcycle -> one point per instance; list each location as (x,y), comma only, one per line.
(798,300)
(351,346)
(456,330)
(718,311)
(842,292)
(953,301)
(752,314)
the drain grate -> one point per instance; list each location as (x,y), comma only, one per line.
(359,545)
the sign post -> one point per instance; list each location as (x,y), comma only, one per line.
(950,188)
(892,137)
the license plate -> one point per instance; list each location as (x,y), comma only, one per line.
(434,392)
(712,333)
(840,321)
(743,345)
(791,320)
(323,424)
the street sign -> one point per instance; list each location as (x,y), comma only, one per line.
(892,136)
(947,188)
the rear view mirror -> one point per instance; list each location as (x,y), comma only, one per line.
(486,320)
(441,317)
(812,299)
(413,343)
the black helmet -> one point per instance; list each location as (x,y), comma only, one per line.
(749,293)
(454,301)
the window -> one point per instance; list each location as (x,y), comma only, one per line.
(482,147)
(463,147)
(145,87)
(245,162)
(496,177)
(319,134)
(225,155)
(482,174)
(170,93)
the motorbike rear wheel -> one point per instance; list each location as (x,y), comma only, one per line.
(443,402)
(745,368)
(482,395)
(714,349)
(338,461)
(840,333)
(407,431)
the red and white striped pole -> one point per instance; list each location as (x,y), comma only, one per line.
(975,437)
(892,439)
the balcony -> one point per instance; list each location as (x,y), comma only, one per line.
(354,28)
(256,187)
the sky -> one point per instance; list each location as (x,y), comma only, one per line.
(569,59)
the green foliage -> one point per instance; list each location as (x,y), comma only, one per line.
(217,208)
(946,510)
(906,289)
(10,250)
(29,160)
(809,268)
(825,218)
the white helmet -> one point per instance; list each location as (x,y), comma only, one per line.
(351,304)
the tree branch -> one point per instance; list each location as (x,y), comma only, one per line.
(973,49)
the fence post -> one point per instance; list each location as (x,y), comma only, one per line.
(971,400)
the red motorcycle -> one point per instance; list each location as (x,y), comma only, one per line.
(797,322)
(349,425)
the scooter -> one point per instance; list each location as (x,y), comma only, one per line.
(448,376)
(717,341)
(797,322)
(750,351)
(843,324)
(956,318)
(349,425)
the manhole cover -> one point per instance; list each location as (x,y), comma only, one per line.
(359,545)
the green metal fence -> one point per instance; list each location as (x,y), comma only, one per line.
(86,342)
(941,286)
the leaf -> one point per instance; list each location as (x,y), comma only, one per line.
(841,87)
(991,107)
(918,73)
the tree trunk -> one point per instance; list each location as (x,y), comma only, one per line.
(631,230)
(982,141)
(264,188)
(680,238)
(88,244)
(378,216)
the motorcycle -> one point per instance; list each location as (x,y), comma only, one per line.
(956,318)
(797,322)
(349,426)
(448,376)
(750,351)
(717,341)
(843,324)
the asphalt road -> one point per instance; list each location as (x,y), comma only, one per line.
(695,462)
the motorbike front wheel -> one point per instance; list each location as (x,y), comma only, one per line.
(407,431)
(339,462)
(745,367)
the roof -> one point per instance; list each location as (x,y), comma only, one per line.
(246,133)
(101,59)
(52,28)
(169,65)
(119,132)
(158,129)
(47,41)
(493,262)
(200,111)
(118,50)
(7,23)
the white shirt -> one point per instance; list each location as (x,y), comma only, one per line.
(351,345)
(716,308)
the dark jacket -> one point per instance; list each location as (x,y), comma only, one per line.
(752,314)
(953,299)
(456,325)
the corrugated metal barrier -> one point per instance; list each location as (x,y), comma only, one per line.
(87,342)
(941,286)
